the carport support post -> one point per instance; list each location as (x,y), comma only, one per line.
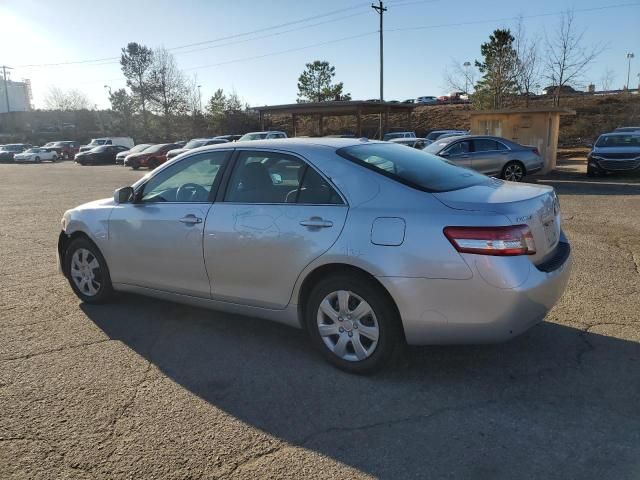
(321,125)
(293,121)
(386,120)
(359,122)
(409,119)
(261,121)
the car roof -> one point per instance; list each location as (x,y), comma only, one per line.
(620,134)
(291,143)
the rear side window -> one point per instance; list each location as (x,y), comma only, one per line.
(458,148)
(487,145)
(412,167)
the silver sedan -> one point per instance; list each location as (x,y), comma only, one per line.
(366,245)
(495,156)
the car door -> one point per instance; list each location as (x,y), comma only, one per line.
(156,242)
(488,156)
(458,152)
(277,215)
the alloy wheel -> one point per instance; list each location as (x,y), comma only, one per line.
(85,272)
(513,172)
(348,326)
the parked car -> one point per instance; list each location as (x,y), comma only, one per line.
(419,143)
(436,134)
(36,155)
(366,245)
(495,156)
(195,143)
(8,151)
(428,100)
(141,147)
(388,136)
(614,152)
(66,149)
(229,138)
(95,142)
(453,134)
(152,157)
(626,129)
(409,100)
(104,154)
(273,134)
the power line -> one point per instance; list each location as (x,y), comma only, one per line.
(492,20)
(110,60)
(255,57)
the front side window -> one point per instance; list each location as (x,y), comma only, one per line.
(458,148)
(273,177)
(412,167)
(192,180)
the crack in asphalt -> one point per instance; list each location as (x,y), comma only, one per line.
(55,350)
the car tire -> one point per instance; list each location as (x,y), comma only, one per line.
(591,172)
(37,159)
(340,336)
(135,167)
(513,171)
(153,163)
(87,271)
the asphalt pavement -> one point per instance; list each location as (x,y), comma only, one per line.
(142,388)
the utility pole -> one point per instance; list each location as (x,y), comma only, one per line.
(6,88)
(380,8)
(200,97)
(6,94)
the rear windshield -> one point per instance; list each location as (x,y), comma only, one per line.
(630,140)
(412,167)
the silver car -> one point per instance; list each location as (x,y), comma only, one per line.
(494,156)
(366,245)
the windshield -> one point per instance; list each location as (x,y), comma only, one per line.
(630,140)
(438,145)
(98,141)
(99,149)
(253,136)
(33,150)
(195,144)
(139,148)
(155,148)
(412,167)
(12,148)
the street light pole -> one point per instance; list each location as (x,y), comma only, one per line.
(466,66)
(630,55)
(380,8)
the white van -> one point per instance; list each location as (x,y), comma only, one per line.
(96,142)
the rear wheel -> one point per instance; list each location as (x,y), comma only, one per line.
(87,271)
(153,163)
(513,172)
(37,159)
(353,323)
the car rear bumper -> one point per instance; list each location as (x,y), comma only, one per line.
(440,311)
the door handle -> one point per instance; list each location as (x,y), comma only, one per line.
(316,222)
(465,156)
(190,219)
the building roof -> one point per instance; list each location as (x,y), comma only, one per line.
(558,110)
(337,107)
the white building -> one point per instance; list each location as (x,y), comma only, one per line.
(19,96)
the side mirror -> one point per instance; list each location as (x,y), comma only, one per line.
(444,154)
(123,195)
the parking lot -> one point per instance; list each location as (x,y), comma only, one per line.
(146,389)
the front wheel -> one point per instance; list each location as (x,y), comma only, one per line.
(513,172)
(37,159)
(87,271)
(353,323)
(153,164)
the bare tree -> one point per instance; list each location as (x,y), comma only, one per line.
(460,77)
(567,58)
(528,64)
(607,79)
(168,90)
(66,100)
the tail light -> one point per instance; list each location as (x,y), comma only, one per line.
(502,241)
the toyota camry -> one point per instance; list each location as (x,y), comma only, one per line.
(367,245)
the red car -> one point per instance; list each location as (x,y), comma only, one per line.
(65,149)
(151,157)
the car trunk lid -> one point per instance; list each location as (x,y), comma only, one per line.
(522,204)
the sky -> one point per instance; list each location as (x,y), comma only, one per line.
(422,39)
